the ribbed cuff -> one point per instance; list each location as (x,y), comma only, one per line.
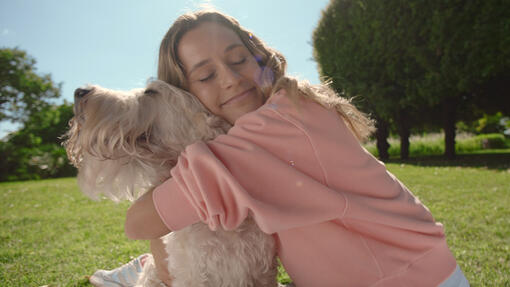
(173,207)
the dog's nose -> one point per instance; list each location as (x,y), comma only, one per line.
(80,93)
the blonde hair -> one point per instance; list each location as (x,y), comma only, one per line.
(272,62)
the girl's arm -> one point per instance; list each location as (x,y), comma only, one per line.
(143,221)
(266,167)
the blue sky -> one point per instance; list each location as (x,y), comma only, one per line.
(114,43)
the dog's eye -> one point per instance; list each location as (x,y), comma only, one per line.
(150,92)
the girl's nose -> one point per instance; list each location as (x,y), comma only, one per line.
(229,77)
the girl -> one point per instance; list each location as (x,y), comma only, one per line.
(293,162)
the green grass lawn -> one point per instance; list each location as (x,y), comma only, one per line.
(50,234)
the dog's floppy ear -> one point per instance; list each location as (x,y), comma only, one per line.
(144,140)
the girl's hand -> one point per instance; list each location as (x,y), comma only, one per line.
(159,254)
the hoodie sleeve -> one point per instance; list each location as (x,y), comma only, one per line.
(266,166)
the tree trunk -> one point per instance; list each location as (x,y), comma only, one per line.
(404,131)
(449,119)
(381,135)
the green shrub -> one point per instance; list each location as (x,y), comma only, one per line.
(493,141)
(25,163)
(35,151)
(490,124)
(487,124)
(433,144)
(481,142)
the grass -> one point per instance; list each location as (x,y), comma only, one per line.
(50,234)
(471,199)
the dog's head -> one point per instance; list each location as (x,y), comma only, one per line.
(123,143)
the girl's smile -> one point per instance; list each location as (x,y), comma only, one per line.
(240,97)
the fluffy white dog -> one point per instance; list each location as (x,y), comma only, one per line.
(125,143)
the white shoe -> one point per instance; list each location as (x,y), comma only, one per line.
(123,276)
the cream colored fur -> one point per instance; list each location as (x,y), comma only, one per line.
(125,143)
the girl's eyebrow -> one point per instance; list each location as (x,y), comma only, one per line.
(203,62)
(198,65)
(232,46)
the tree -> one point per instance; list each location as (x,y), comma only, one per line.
(409,60)
(22,90)
(360,46)
(35,150)
(465,54)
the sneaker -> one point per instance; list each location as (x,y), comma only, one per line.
(123,276)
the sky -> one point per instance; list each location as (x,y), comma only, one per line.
(114,43)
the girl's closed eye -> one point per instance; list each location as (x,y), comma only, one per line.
(241,61)
(209,76)
(206,77)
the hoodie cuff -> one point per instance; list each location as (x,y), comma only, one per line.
(173,207)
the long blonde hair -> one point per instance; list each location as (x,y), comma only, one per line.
(171,70)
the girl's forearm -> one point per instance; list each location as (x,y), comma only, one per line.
(143,221)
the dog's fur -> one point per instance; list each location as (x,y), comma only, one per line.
(125,143)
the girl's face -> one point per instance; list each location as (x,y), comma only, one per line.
(221,71)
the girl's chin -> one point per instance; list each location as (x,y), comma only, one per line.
(242,108)
(241,112)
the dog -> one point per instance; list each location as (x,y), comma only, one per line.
(124,143)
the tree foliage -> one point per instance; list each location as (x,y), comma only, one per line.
(465,56)
(22,90)
(35,150)
(412,62)
(358,45)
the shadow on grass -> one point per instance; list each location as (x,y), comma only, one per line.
(499,160)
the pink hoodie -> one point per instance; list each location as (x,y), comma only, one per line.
(338,216)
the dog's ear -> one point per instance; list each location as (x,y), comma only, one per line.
(145,141)
(144,138)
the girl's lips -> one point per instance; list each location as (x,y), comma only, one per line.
(239,97)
